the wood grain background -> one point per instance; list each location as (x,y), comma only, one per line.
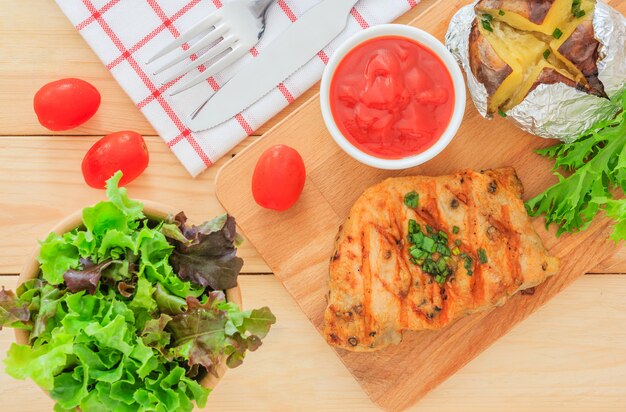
(570,355)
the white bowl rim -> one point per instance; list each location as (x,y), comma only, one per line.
(424,38)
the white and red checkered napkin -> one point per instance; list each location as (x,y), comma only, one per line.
(126,33)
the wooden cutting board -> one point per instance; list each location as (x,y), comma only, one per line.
(297,244)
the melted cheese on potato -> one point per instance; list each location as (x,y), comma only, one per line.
(523,15)
(517,45)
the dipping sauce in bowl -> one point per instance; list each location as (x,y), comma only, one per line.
(392,96)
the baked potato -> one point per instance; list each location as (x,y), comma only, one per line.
(554,67)
(517,45)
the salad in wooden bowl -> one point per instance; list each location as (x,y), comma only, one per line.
(125,308)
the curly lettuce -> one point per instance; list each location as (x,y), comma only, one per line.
(115,325)
(596,163)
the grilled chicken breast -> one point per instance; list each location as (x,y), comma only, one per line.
(381,282)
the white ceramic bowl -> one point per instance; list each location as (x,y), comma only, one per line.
(438,49)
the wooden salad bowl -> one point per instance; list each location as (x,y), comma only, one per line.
(152,210)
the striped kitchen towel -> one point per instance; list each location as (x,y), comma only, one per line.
(126,33)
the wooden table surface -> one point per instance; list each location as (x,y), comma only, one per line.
(570,355)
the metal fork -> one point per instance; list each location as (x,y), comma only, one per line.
(232,31)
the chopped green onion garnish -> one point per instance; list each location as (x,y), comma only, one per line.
(576,11)
(456,251)
(443,236)
(482,255)
(557,33)
(455,229)
(411,199)
(457,242)
(413,227)
(429,229)
(428,245)
(442,250)
(469,263)
(418,239)
(488,17)
(546,54)
(501,13)
(429,266)
(441,265)
(487,25)
(501,113)
(417,253)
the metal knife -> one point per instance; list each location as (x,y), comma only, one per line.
(298,44)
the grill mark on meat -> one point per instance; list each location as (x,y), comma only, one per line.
(402,294)
(404,260)
(417,310)
(402,257)
(479,283)
(513,250)
(477,290)
(429,212)
(458,196)
(367,282)
(513,240)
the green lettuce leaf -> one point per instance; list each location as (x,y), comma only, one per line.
(209,257)
(117,195)
(49,304)
(41,363)
(257,322)
(167,302)
(103,217)
(115,245)
(143,299)
(57,256)
(616,209)
(596,163)
(71,387)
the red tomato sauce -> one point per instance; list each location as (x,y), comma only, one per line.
(391,97)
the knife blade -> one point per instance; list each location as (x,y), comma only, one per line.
(292,49)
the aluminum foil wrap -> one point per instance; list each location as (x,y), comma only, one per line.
(555,110)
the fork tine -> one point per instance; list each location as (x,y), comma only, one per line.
(202,26)
(225,61)
(215,34)
(221,47)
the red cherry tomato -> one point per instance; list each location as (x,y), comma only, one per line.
(125,151)
(65,104)
(278,178)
